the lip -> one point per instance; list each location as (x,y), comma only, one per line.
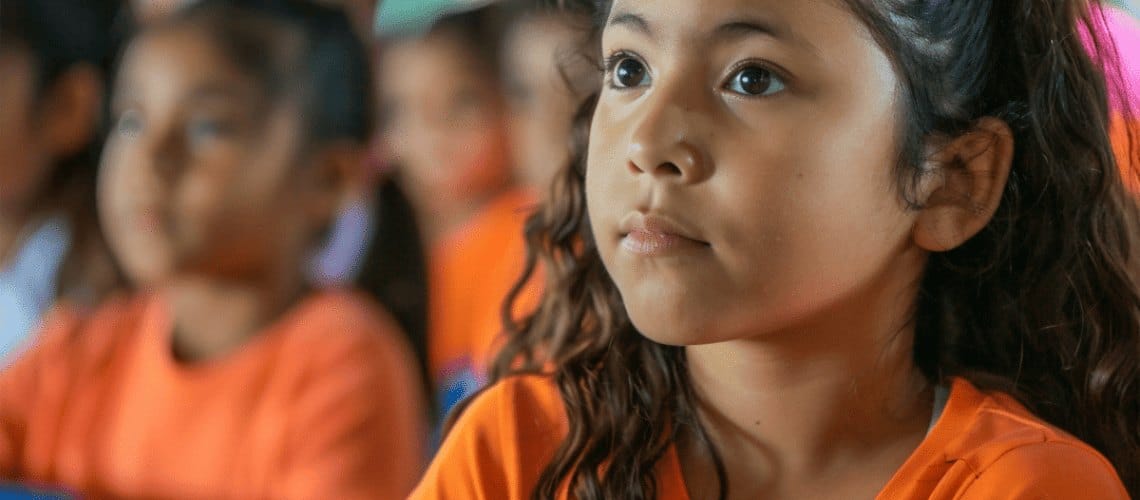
(651,234)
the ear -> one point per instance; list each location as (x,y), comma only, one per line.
(340,176)
(70,111)
(965,188)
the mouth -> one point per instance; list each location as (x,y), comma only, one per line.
(654,235)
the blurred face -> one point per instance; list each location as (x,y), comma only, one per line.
(150,11)
(23,166)
(546,80)
(740,179)
(445,125)
(201,174)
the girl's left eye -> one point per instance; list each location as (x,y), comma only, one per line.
(203,130)
(755,81)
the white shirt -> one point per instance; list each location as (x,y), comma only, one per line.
(28,285)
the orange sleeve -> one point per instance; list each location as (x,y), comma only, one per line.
(21,382)
(469,464)
(501,444)
(358,429)
(1047,470)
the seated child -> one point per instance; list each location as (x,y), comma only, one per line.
(224,377)
(55,66)
(449,140)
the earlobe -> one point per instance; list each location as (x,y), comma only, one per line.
(965,186)
(71,111)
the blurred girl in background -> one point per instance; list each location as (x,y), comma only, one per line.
(238,123)
(55,57)
(446,128)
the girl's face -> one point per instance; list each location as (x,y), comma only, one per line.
(545,83)
(741,166)
(21,168)
(444,120)
(200,173)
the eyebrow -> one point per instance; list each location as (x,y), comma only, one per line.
(633,22)
(731,30)
(216,90)
(749,27)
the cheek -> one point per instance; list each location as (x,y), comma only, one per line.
(22,170)
(132,217)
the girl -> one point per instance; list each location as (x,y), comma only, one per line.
(826,250)
(237,125)
(547,75)
(55,59)
(449,140)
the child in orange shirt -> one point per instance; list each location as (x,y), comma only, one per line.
(826,250)
(236,123)
(446,129)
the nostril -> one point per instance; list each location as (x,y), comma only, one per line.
(669,169)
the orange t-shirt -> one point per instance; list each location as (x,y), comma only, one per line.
(320,405)
(470,274)
(985,446)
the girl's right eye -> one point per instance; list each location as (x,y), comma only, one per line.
(626,72)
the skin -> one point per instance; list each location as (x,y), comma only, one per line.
(771,190)
(449,137)
(24,166)
(36,128)
(208,192)
(150,11)
(546,80)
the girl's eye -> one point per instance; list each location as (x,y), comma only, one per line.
(755,81)
(628,73)
(202,130)
(129,123)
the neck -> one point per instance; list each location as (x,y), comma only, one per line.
(213,317)
(822,399)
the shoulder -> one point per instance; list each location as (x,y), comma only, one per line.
(345,339)
(1010,453)
(74,345)
(501,443)
(91,334)
(527,407)
(341,322)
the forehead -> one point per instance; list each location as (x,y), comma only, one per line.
(178,59)
(432,63)
(811,25)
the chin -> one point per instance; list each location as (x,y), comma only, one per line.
(670,330)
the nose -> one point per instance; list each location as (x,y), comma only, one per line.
(664,142)
(165,153)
